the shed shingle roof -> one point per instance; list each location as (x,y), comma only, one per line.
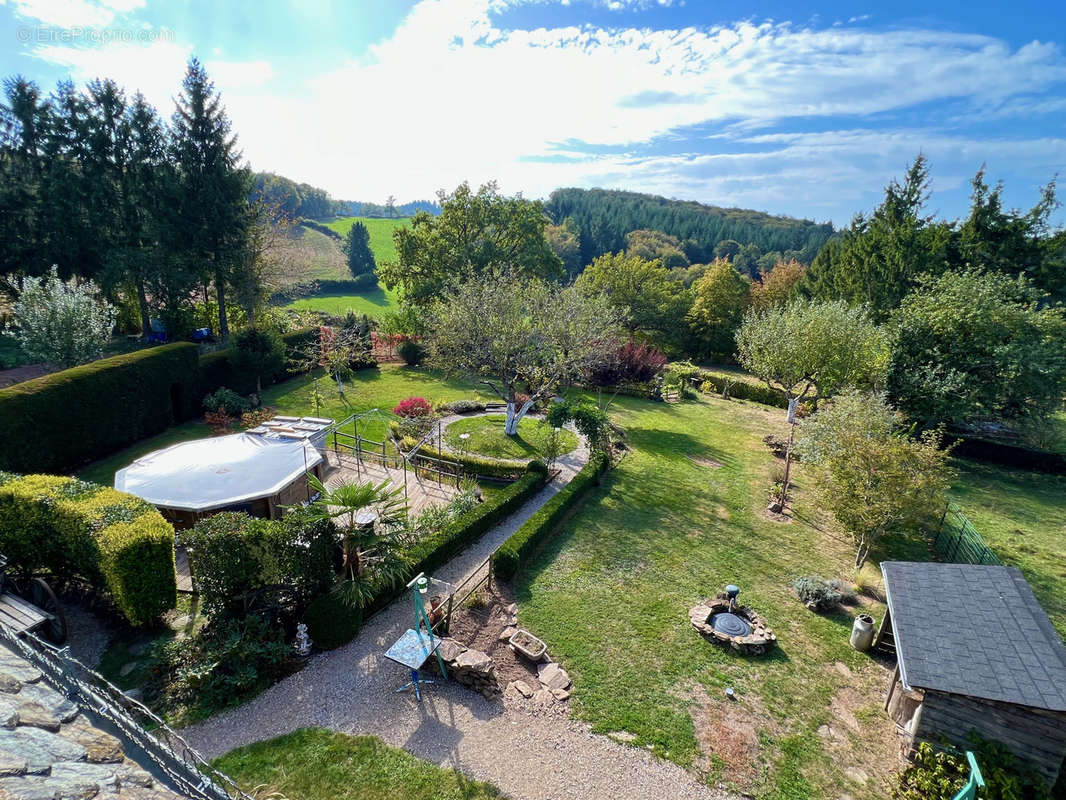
(974,630)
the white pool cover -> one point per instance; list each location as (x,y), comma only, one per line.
(207,474)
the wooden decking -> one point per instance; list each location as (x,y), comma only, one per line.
(422,492)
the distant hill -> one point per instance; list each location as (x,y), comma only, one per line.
(303,200)
(604,216)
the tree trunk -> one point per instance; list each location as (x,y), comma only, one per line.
(142,303)
(793,402)
(783,499)
(514,417)
(863,552)
(223,322)
(258,391)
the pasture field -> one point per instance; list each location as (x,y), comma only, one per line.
(380,230)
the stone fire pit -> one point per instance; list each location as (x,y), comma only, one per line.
(738,627)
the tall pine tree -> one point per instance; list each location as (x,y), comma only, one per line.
(212,214)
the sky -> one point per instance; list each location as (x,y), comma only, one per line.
(801,108)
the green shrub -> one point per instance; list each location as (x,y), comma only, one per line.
(60,421)
(227,401)
(411,352)
(463,407)
(232,554)
(819,594)
(741,390)
(332,623)
(74,528)
(216,369)
(939,773)
(523,542)
(225,663)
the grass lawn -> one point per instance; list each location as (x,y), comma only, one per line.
(379,388)
(313,764)
(610,595)
(1020,515)
(488,439)
(373,302)
(380,231)
(321,255)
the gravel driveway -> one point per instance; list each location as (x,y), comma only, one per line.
(529,757)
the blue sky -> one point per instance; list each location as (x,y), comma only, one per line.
(801,108)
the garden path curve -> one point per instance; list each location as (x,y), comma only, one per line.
(352,690)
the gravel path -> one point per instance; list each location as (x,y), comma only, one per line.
(529,757)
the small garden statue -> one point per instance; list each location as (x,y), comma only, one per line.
(302,645)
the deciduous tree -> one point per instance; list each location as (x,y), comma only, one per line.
(870,475)
(809,350)
(721,297)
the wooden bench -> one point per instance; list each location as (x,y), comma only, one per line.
(20,616)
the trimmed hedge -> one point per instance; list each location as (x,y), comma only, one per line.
(743,390)
(524,542)
(360,283)
(481,466)
(1007,455)
(436,550)
(60,421)
(76,528)
(331,623)
(323,229)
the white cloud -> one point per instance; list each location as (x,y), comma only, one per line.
(451,96)
(74,13)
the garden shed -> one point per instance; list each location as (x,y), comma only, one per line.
(258,471)
(975,652)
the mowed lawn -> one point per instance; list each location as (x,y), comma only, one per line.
(1022,516)
(610,595)
(373,302)
(314,764)
(380,231)
(380,389)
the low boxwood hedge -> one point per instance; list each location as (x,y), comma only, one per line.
(523,542)
(434,551)
(60,421)
(480,466)
(76,528)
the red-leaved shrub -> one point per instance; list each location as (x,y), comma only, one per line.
(413,407)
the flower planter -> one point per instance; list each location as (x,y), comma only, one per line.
(528,645)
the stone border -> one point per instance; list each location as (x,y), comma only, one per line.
(755,643)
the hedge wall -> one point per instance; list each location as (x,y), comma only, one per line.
(1007,455)
(74,528)
(59,421)
(524,542)
(360,283)
(435,551)
(742,390)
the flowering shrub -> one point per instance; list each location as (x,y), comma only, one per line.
(414,407)
(218,421)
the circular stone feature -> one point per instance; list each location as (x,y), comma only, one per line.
(740,627)
(730,624)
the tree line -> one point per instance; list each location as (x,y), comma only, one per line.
(99,185)
(602,218)
(298,200)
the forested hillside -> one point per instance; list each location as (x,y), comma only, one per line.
(303,200)
(603,217)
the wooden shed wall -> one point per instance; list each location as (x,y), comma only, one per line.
(1034,735)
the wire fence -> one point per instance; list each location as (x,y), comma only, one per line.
(187,770)
(958,541)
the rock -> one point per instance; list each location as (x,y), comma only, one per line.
(523,688)
(37,716)
(11,764)
(543,697)
(181,623)
(561,694)
(9,683)
(553,676)
(30,787)
(450,649)
(128,667)
(512,621)
(625,737)
(100,747)
(857,775)
(14,667)
(103,777)
(135,694)
(512,609)
(40,748)
(9,710)
(508,632)
(129,774)
(52,700)
(826,732)
(473,660)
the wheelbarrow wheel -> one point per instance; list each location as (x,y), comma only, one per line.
(42,596)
